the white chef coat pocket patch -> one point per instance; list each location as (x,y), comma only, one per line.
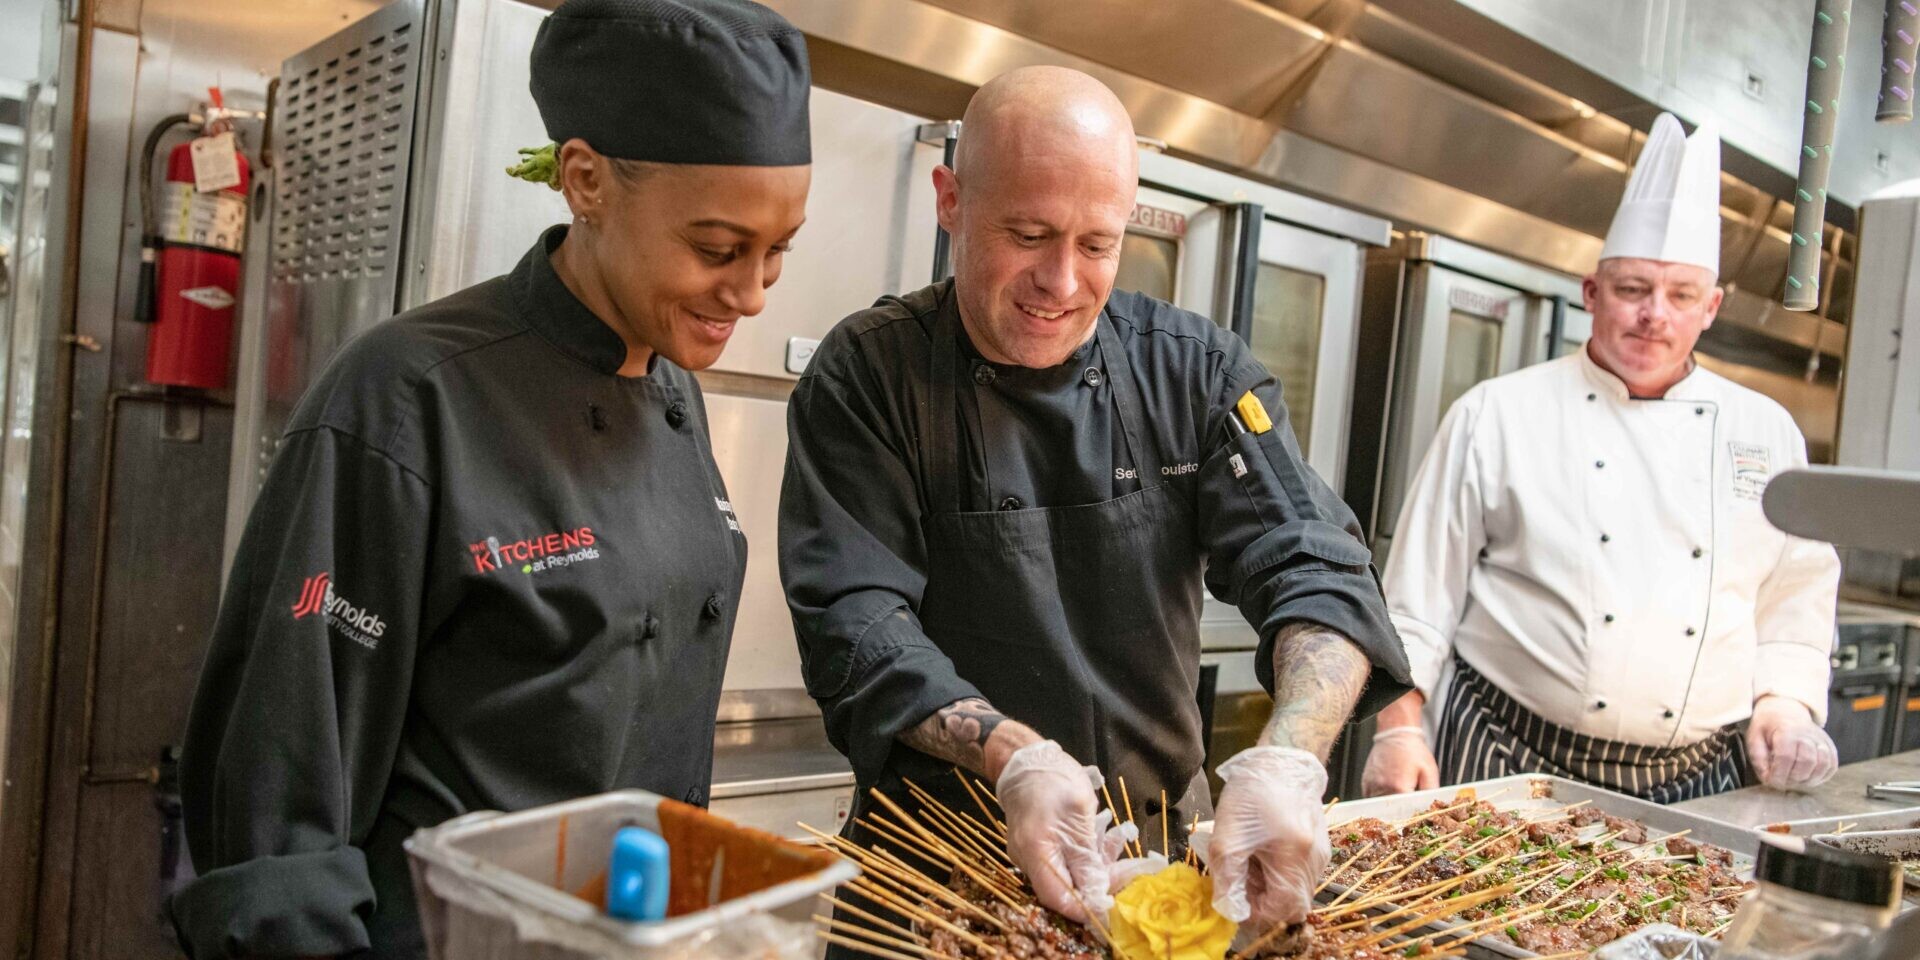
(1752,468)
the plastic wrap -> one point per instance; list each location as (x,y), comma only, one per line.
(1659,942)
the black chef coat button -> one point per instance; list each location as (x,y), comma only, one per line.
(1605,538)
(596,417)
(1092,377)
(1697,552)
(1153,803)
(1599,464)
(1592,397)
(1668,714)
(983,374)
(676,414)
(650,627)
(1011,503)
(1699,411)
(1599,704)
(712,608)
(1608,618)
(1689,631)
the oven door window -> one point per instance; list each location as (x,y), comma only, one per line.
(1148,265)
(1288,305)
(1473,355)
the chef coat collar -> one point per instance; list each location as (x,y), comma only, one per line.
(1690,387)
(1070,370)
(558,316)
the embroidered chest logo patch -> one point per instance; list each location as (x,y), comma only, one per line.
(1752,468)
(536,554)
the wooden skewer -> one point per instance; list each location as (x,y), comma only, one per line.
(1438,849)
(1138,850)
(882,939)
(872,917)
(908,880)
(922,953)
(1166,843)
(879,896)
(948,823)
(1341,867)
(966,868)
(992,821)
(1448,909)
(1469,931)
(1260,941)
(977,877)
(886,830)
(977,848)
(1422,894)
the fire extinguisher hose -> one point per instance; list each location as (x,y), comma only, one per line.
(149,236)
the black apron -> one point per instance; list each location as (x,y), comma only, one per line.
(1484,733)
(1079,621)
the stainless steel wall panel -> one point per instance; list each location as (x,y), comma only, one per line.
(750,446)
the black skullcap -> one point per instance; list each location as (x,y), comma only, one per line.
(675,81)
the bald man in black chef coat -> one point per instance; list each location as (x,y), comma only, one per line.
(1003,494)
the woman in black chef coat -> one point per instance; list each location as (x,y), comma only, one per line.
(494,565)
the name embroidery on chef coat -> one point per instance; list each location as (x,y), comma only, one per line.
(1752,468)
(537,554)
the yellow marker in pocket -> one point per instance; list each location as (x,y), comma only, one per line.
(1253,413)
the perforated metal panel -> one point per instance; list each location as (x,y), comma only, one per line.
(343,132)
(346,126)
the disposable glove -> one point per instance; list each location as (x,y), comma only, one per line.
(1056,832)
(1269,845)
(1788,750)
(1400,762)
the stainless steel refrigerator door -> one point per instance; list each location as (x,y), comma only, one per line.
(1456,330)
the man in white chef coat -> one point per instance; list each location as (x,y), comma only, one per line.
(1582,575)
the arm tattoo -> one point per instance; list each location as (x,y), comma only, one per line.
(1317,678)
(957,733)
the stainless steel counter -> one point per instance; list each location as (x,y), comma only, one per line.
(775,774)
(1845,794)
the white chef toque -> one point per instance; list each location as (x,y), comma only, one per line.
(1671,210)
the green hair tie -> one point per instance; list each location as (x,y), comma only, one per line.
(538,165)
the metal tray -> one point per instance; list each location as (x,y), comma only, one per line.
(1530,791)
(1900,846)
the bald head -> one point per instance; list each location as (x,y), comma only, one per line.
(1042,183)
(1051,109)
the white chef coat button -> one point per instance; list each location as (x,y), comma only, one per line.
(1690,631)
(1092,376)
(1698,553)
(1608,618)
(984,374)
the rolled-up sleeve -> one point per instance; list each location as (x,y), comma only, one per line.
(1282,546)
(1793,614)
(300,704)
(1435,545)
(853,563)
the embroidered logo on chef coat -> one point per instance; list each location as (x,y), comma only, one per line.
(536,554)
(726,510)
(350,620)
(1752,468)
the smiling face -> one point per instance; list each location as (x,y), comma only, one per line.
(1647,315)
(672,256)
(1037,204)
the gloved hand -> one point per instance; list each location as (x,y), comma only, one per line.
(1788,750)
(1269,845)
(1400,762)
(1056,832)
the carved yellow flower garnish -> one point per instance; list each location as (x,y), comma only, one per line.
(1169,915)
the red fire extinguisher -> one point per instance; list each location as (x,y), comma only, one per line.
(190,262)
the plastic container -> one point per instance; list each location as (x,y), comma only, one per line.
(1813,902)
(529,885)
